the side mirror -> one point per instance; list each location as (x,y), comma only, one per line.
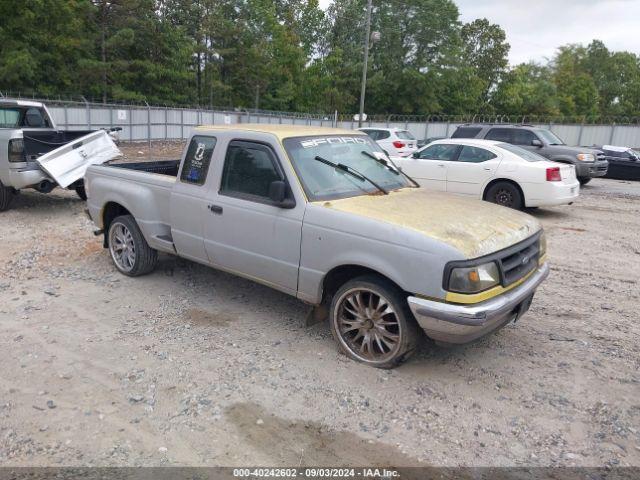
(278,194)
(536,143)
(415,154)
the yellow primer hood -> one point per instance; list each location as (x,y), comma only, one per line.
(473,227)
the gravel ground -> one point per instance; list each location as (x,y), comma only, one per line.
(189,366)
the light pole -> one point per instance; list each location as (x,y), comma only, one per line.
(366,62)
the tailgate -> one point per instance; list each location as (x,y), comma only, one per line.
(69,163)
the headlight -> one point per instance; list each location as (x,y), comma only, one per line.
(474,279)
(543,245)
(586,157)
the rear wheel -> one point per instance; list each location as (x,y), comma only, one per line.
(584,180)
(130,252)
(505,194)
(372,323)
(6,197)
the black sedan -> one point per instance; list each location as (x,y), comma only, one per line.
(624,162)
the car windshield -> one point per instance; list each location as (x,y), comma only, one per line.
(521,152)
(9,117)
(404,135)
(323,182)
(549,137)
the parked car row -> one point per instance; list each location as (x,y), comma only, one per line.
(494,171)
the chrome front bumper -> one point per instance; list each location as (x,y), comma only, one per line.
(454,323)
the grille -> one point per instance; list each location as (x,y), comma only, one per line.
(517,264)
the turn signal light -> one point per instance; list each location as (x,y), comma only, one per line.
(553,174)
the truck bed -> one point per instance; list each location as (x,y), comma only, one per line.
(160,167)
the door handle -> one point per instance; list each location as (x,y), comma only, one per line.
(215,209)
(441,165)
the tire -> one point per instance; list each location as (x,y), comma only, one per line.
(505,194)
(584,180)
(130,252)
(81,192)
(6,197)
(354,301)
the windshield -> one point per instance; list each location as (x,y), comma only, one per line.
(405,135)
(323,182)
(9,117)
(521,152)
(549,137)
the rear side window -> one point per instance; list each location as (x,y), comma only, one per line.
(439,152)
(475,155)
(466,132)
(523,137)
(500,135)
(404,135)
(383,135)
(9,117)
(249,170)
(197,161)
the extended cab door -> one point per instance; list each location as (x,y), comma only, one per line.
(473,168)
(189,199)
(245,232)
(429,166)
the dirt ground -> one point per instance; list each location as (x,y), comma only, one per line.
(190,366)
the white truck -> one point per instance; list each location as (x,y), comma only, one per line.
(34,154)
(317,213)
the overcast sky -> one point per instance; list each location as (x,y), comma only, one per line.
(535,28)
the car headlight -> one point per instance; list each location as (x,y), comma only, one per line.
(543,245)
(474,279)
(586,157)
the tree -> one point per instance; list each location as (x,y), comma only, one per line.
(485,50)
(528,89)
(41,45)
(577,91)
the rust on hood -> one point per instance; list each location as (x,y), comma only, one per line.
(474,227)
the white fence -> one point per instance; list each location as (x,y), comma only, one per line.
(145,123)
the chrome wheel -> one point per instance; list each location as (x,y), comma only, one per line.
(368,325)
(122,247)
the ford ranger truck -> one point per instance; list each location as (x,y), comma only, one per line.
(322,215)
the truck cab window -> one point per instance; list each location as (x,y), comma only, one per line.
(197,160)
(33,118)
(249,169)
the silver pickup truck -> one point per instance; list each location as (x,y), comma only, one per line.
(34,154)
(319,214)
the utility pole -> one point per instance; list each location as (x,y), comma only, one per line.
(366,62)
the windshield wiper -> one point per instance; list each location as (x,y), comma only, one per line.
(350,171)
(395,169)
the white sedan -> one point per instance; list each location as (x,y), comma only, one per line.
(493,171)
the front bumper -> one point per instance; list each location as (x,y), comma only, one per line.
(453,323)
(592,169)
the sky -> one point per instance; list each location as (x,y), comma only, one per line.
(535,28)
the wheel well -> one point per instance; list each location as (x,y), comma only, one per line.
(110,212)
(342,274)
(504,180)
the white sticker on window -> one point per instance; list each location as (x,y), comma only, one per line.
(316,142)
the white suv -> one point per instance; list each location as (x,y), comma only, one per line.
(395,141)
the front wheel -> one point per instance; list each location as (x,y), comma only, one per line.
(584,180)
(505,194)
(6,197)
(372,323)
(130,252)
